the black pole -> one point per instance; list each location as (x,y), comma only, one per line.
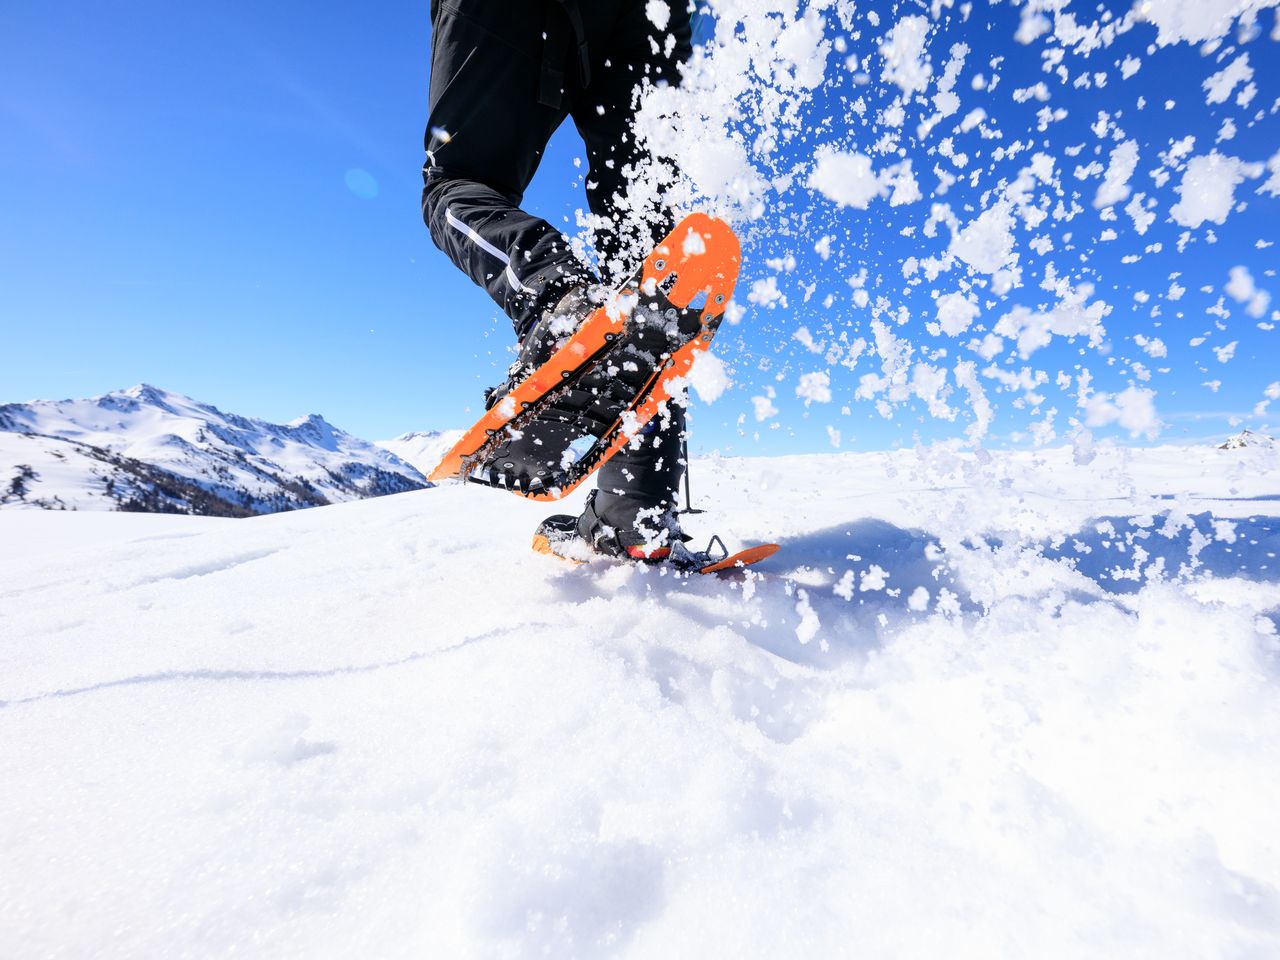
(688,499)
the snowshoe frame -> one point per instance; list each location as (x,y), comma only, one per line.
(700,256)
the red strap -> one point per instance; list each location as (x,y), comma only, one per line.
(640,553)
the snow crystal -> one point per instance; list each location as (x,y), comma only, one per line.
(1241,289)
(972,119)
(846,585)
(809,624)
(708,377)
(1207,191)
(1133,409)
(1142,217)
(1272,392)
(1220,85)
(845,178)
(1272,184)
(874,578)
(765,293)
(814,387)
(1152,346)
(899,179)
(1195,21)
(693,244)
(1032,26)
(987,243)
(1073,316)
(956,312)
(763,408)
(1226,353)
(803,335)
(983,412)
(658,12)
(1115,185)
(903,49)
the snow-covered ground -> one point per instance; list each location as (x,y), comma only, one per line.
(387,729)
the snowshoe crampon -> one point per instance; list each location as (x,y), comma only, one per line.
(600,389)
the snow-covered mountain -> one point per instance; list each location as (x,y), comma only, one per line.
(422,449)
(147,449)
(1247,438)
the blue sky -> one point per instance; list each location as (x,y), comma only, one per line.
(224,202)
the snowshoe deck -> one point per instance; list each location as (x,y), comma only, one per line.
(743,558)
(578,397)
(734,561)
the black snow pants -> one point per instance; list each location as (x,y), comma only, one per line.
(504,75)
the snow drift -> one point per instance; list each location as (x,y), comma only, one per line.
(387,729)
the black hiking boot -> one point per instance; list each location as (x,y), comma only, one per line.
(546,336)
(648,534)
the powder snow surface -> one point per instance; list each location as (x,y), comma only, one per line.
(387,729)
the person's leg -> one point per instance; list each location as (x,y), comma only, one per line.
(638,488)
(640,483)
(486,134)
(631,50)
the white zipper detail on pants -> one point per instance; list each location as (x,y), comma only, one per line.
(488,248)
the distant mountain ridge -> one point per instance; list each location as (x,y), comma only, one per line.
(422,449)
(154,450)
(1247,438)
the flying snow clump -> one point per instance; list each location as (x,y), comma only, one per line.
(814,387)
(845,178)
(1208,188)
(1241,289)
